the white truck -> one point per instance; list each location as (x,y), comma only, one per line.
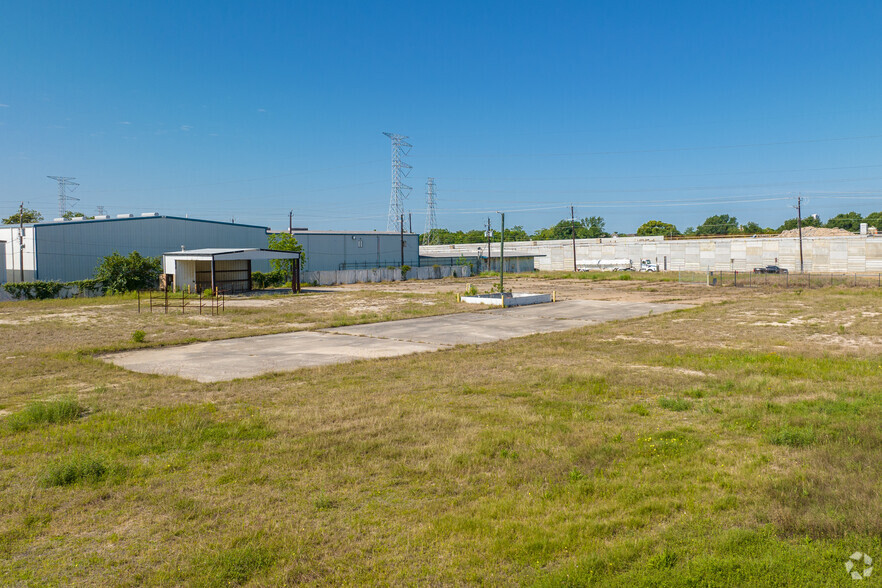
(605,265)
(646,265)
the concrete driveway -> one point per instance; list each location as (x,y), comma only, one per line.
(250,356)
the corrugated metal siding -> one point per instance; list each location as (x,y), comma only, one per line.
(71,251)
(328,251)
(2,262)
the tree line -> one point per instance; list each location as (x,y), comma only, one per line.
(594,227)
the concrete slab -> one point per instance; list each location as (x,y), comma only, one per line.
(215,361)
(505,323)
(251,356)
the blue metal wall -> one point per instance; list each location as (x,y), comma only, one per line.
(326,250)
(71,250)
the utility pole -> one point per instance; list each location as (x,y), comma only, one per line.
(401,224)
(799,225)
(290,222)
(489,232)
(502,258)
(21,242)
(573,221)
(410,222)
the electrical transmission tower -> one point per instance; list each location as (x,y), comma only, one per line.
(400,191)
(101,210)
(430,235)
(63,198)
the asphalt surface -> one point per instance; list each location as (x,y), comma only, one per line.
(247,357)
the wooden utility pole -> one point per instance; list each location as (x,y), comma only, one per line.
(573,221)
(799,225)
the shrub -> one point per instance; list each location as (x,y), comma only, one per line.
(138,336)
(120,274)
(34,290)
(626,277)
(404,270)
(268,279)
(36,413)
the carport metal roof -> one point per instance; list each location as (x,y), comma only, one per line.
(218,254)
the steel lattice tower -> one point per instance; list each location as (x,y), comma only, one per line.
(430,236)
(400,191)
(63,197)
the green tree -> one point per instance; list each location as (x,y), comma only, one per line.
(284,242)
(118,273)
(874,219)
(850,221)
(721,224)
(656,227)
(792,223)
(71,214)
(752,228)
(28,216)
(595,227)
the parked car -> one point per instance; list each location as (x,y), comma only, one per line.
(770,269)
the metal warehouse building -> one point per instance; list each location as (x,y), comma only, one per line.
(71,250)
(338,250)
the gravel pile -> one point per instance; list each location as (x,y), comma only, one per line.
(815,232)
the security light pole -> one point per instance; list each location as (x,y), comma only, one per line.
(502,258)
(573,226)
(21,242)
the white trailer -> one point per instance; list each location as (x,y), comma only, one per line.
(604,265)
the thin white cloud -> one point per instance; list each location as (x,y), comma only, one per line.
(124,122)
(186,127)
(261,110)
(4,106)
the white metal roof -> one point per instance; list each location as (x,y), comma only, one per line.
(231,254)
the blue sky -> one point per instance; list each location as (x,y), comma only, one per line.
(629,110)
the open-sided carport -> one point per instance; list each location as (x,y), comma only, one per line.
(222,269)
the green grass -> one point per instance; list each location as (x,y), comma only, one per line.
(709,447)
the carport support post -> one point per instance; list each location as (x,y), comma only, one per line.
(212,274)
(250,283)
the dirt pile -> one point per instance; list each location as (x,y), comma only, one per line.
(815,232)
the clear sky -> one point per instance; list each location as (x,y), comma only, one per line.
(628,110)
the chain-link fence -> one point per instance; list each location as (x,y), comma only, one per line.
(783,280)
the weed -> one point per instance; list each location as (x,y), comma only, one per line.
(138,336)
(51,412)
(78,468)
(639,409)
(675,404)
(793,436)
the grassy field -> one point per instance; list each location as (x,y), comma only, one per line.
(735,443)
